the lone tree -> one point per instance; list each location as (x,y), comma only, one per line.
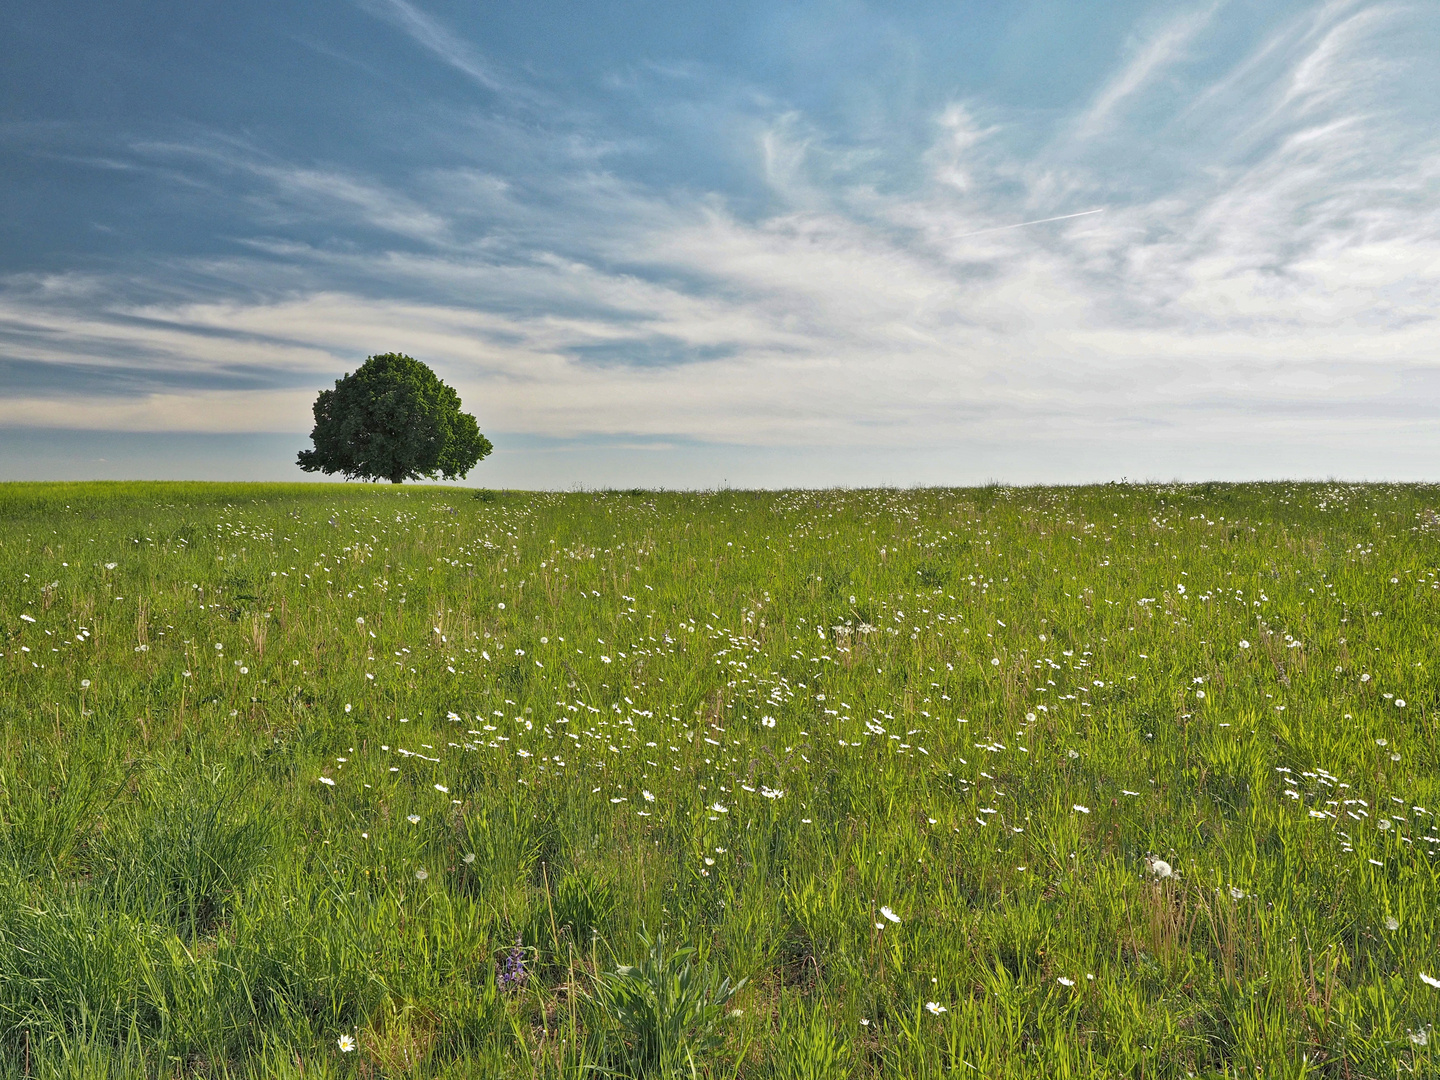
(392,419)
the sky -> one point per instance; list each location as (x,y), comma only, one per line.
(694,245)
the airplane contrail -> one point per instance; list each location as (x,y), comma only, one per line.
(1021,224)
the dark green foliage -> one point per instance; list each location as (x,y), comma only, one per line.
(393,419)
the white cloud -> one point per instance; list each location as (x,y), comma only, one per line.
(1161,49)
(203,411)
(1283,282)
(437,40)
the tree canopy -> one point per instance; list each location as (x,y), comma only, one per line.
(393,419)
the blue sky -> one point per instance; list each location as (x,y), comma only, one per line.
(692,244)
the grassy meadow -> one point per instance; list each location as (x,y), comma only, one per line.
(329,780)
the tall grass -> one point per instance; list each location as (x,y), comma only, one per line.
(1114,781)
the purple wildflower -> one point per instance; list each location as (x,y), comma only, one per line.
(511,974)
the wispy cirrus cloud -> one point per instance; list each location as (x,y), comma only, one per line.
(1267,264)
(1149,60)
(438,40)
